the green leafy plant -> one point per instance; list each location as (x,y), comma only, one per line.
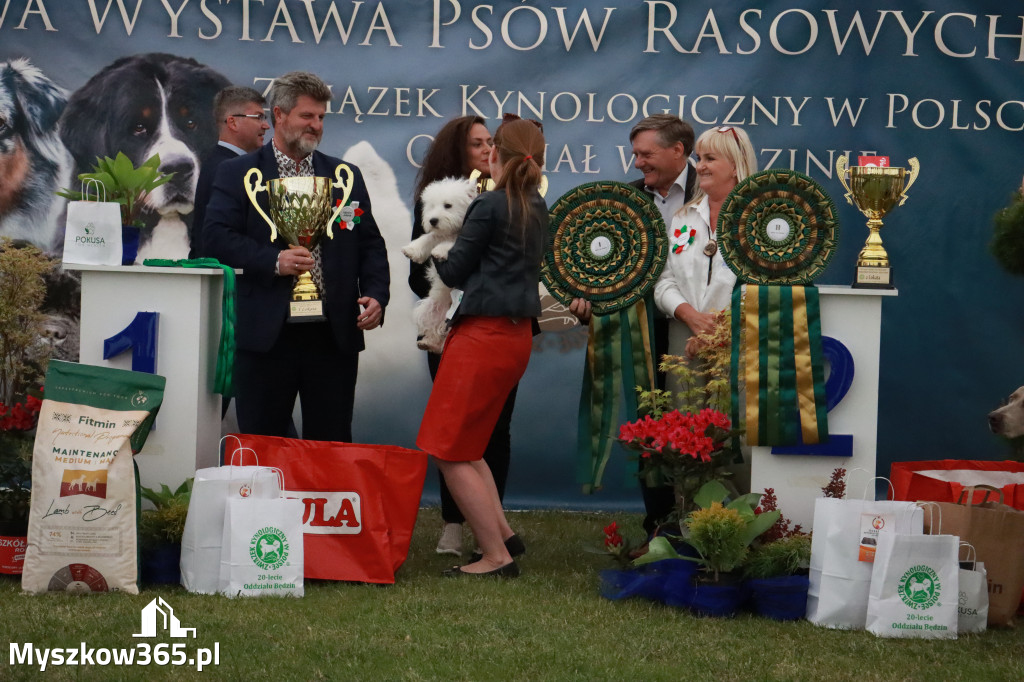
(124,183)
(721,533)
(166,523)
(1007,245)
(22,291)
(785,556)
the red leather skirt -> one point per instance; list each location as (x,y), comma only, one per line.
(483,359)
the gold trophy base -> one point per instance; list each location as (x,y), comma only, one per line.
(306,305)
(873,277)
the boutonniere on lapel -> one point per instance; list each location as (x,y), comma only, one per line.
(682,238)
(350,215)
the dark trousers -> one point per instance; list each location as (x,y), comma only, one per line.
(659,501)
(305,361)
(497,454)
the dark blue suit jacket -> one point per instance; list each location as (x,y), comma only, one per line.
(355,262)
(204,185)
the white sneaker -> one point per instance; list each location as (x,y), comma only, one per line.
(451,540)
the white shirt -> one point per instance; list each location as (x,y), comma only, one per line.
(685,277)
(673,202)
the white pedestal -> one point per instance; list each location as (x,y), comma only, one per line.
(189,303)
(854,318)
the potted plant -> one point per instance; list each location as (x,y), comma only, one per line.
(160,532)
(721,535)
(22,366)
(128,186)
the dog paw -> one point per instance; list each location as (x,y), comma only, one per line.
(413,253)
(440,251)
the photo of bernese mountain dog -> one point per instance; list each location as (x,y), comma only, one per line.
(143,105)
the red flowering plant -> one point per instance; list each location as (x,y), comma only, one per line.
(685,449)
(17,435)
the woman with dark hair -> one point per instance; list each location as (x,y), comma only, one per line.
(496,263)
(461,147)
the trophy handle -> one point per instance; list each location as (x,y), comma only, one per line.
(254,187)
(345,185)
(841,170)
(914,168)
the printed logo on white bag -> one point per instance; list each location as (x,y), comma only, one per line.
(329,513)
(919,587)
(269,548)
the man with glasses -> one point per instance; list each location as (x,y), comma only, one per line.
(241,124)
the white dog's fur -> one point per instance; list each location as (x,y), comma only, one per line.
(444,206)
(1008,420)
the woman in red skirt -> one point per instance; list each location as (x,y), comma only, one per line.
(496,263)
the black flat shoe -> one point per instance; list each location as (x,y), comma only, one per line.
(509,570)
(514,544)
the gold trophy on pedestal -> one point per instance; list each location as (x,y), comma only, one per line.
(303,213)
(875,190)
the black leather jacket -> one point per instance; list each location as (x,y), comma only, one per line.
(497,262)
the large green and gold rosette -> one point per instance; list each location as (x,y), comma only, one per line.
(778,226)
(607,245)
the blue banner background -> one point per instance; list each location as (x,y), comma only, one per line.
(804,84)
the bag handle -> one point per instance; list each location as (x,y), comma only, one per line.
(276,470)
(971,489)
(933,507)
(241,457)
(892,490)
(972,554)
(93,187)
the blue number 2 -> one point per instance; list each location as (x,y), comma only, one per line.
(140,337)
(837,385)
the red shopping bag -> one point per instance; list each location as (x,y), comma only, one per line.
(360,502)
(944,480)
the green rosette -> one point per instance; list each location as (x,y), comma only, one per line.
(607,244)
(778,226)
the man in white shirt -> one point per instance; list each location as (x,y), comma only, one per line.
(662,145)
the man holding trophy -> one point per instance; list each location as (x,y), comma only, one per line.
(315,269)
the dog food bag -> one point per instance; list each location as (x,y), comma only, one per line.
(82,534)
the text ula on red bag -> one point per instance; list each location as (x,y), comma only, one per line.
(328,512)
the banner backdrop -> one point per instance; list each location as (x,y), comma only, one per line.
(809,81)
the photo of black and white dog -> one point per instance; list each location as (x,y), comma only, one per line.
(143,105)
(33,162)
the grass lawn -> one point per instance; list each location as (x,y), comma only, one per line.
(550,624)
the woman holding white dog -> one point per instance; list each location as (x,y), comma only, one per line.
(496,263)
(461,147)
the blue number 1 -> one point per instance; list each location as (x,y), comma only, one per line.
(139,337)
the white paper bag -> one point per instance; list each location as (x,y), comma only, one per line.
(263,548)
(972,611)
(915,587)
(840,572)
(201,542)
(92,234)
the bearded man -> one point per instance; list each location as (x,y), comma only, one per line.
(279,355)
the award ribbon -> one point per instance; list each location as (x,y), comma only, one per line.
(223,381)
(778,365)
(619,359)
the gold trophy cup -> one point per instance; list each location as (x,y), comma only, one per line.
(875,190)
(302,213)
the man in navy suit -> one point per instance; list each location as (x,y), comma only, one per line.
(241,123)
(276,359)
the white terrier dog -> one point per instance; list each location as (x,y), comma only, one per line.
(444,206)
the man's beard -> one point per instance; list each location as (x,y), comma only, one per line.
(302,144)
